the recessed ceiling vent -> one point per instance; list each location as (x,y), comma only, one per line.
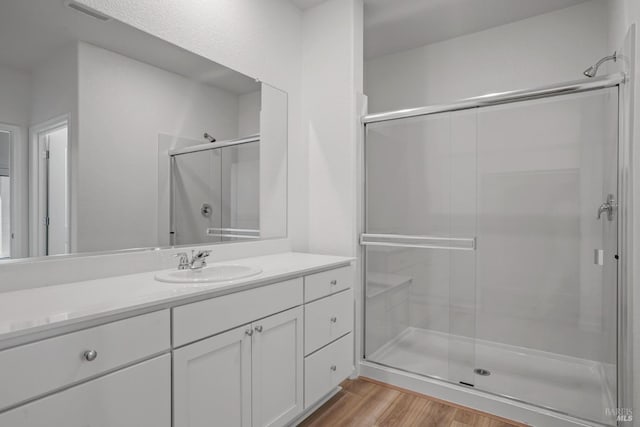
(87,11)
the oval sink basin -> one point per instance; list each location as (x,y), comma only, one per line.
(215,273)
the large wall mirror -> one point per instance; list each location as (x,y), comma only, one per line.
(113,139)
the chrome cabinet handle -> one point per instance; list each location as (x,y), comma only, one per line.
(90,355)
(249,332)
(334,282)
(334,319)
(333,368)
(258,328)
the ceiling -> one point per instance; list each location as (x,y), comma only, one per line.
(396,25)
(32,31)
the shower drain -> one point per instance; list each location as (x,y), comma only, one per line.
(482,372)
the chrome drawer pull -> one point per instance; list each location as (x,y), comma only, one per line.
(333,368)
(334,319)
(90,355)
(334,282)
(258,328)
(249,332)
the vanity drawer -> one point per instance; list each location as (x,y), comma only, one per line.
(326,283)
(137,396)
(325,369)
(327,319)
(203,319)
(35,369)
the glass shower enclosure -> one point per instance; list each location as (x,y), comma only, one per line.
(490,249)
(215,192)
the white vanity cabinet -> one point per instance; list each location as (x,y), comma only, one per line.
(254,357)
(212,380)
(277,374)
(126,382)
(137,396)
(251,375)
(329,319)
(239,364)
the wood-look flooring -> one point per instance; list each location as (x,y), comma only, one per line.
(364,403)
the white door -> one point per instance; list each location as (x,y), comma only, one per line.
(138,396)
(212,381)
(277,368)
(57,192)
(5,194)
(49,188)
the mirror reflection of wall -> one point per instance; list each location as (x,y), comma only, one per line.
(126,99)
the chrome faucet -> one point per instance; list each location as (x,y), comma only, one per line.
(198,260)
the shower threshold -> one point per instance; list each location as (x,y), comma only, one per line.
(569,385)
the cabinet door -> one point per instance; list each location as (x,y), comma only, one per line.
(212,381)
(277,368)
(138,396)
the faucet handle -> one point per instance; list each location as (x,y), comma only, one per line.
(184,260)
(203,254)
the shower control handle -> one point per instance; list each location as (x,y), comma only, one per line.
(609,206)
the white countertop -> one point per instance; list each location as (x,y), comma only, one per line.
(38,310)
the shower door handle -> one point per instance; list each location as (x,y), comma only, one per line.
(607,207)
(598,257)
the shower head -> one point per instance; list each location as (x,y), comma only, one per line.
(209,137)
(593,70)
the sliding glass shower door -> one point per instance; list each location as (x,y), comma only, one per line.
(546,282)
(491,249)
(420,245)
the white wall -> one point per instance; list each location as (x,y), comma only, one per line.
(260,39)
(249,114)
(540,50)
(125,105)
(273,165)
(14,92)
(331,81)
(54,86)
